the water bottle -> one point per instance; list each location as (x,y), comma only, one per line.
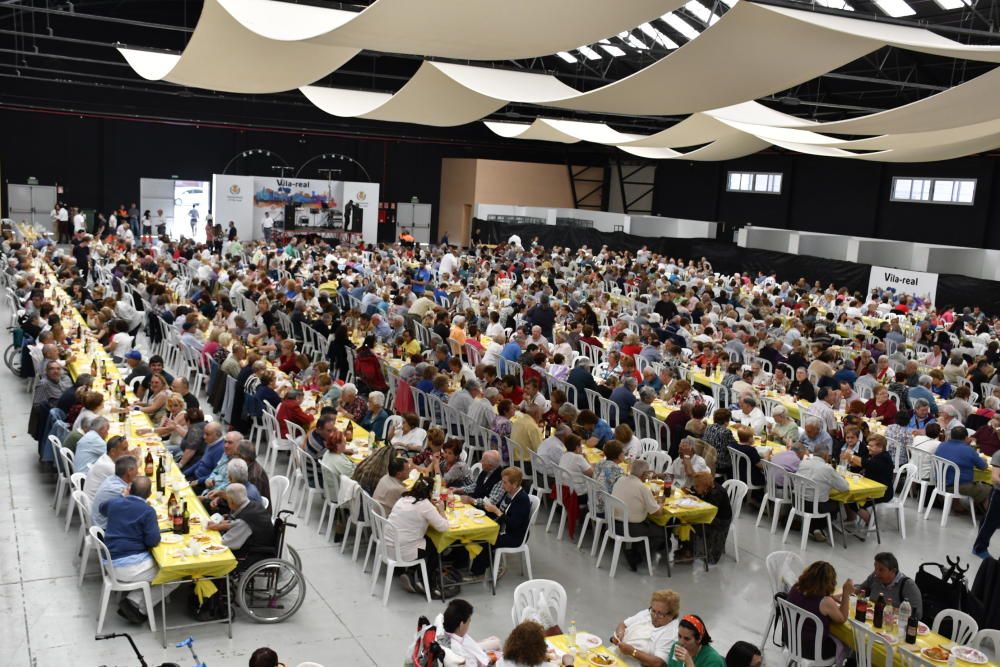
(889,617)
(572,634)
(905,611)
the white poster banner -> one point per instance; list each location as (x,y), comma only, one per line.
(232,199)
(361,210)
(901,281)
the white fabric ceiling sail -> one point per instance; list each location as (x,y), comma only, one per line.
(463,29)
(749,53)
(729,147)
(223,55)
(439,94)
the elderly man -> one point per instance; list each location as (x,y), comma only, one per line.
(390,486)
(624,397)
(526,432)
(481,411)
(958,450)
(818,470)
(181,386)
(687,463)
(131,530)
(104,467)
(198,471)
(113,486)
(921,418)
(92,445)
(639,505)
(236,473)
(750,415)
(924,391)
(462,399)
(553,447)
(248,529)
(815,435)
(788,460)
(487,485)
(137,368)
(826,400)
(645,403)
(219,477)
(47,393)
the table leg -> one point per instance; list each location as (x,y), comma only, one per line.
(704,541)
(666,537)
(163,612)
(843,531)
(493,585)
(440,579)
(878,536)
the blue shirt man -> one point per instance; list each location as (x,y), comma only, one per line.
(420,278)
(203,467)
(959,452)
(511,351)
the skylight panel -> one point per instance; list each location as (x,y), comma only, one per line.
(895,8)
(655,34)
(680,25)
(835,4)
(952,4)
(703,13)
(610,48)
(589,53)
(568,57)
(632,41)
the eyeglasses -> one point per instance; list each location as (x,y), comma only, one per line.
(658,614)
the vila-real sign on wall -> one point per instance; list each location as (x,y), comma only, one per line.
(917,283)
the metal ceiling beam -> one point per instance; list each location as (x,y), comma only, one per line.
(97,17)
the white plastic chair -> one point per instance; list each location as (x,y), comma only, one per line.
(783,570)
(649,445)
(737,491)
(963,626)
(593,515)
(941,488)
(805,505)
(275,443)
(659,461)
(539,475)
(988,636)
(794,619)
(394,423)
(865,639)
(76,481)
(542,597)
(111,582)
(64,467)
(350,497)
(279,493)
(774,493)
(522,548)
(82,505)
(617,509)
(898,502)
(563,479)
(743,469)
(925,473)
(371,507)
(392,558)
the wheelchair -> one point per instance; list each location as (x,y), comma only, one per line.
(268,585)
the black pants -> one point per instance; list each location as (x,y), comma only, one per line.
(482,561)
(989,524)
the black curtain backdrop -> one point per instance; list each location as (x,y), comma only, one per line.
(725,257)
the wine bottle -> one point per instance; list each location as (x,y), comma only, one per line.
(911,630)
(172,502)
(185,520)
(150,468)
(160,474)
(176,520)
(879,612)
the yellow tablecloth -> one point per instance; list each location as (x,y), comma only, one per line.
(861,489)
(173,566)
(360,442)
(465,529)
(845,633)
(983,475)
(702,512)
(561,644)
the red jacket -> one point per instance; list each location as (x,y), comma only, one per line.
(294,413)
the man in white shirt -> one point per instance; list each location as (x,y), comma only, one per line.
(553,447)
(448,266)
(818,469)
(63,228)
(481,411)
(104,466)
(79,221)
(267,225)
(194,216)
(929,441)
(750,415)
(453,626)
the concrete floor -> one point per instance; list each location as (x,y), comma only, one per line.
(48,621)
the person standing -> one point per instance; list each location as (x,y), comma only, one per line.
(79,221)
(161,223)
(63,227)
(193,217)
(992,519)
(268,226)
(147,227)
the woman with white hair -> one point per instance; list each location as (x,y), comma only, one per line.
(375,417)
(351,404)
(784,430)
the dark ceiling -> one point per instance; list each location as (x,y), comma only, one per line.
(59,56)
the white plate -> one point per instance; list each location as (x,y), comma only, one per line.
(892,639)
(171,538)
(587,640)
(474,512)
(687,502)
(969,654)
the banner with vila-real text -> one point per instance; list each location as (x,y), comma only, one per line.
(917,283)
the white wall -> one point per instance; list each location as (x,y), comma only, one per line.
(640,225)
(678,228)
(972,262)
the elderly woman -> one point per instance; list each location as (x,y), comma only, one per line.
(409,436)
(374,420)
(411,516)
(351,404)
(648,635)
(335,460)
(265,390)
(784,430)
(609,469)
(721,438)
(686,465)
(881,406)
(454,470)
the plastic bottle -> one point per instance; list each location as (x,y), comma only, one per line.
(889,617)
(571,634)
(903,619)
(861,609)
